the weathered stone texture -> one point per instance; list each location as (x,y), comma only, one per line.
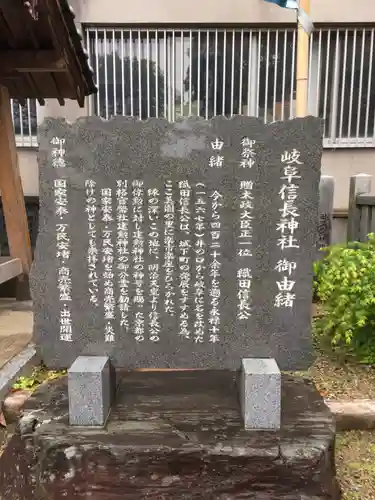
(260,394)
(172,437)
(89,389)
(241,205)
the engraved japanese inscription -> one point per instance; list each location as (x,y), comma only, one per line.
(185,245)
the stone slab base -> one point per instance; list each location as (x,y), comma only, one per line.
(20,365)
(358,414)
(172,436)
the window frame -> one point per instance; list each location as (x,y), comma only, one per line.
(329,89)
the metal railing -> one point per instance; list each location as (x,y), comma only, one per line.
(208,72)
(342,85)
(25,122)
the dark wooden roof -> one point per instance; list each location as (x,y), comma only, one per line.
(41,52)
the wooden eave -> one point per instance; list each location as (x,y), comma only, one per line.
(41,52)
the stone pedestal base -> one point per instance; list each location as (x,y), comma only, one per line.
(260,394)
(172,436)
(90,390)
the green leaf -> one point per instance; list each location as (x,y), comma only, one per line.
(345,284)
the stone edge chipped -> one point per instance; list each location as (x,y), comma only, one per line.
(17,367)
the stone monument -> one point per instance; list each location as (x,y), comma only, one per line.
(188,246)
(176,245)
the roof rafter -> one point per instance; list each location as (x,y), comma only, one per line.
(41,51)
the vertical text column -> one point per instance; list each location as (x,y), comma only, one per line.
(92,250)
(216,161)
(138,259)
(169,249)
(122,250)
(108,258)
(184,259)
(245,238)
(153,211)
(64,275)
(215,268)
(287,229)
(200,251)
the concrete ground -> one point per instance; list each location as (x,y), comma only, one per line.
(16,324)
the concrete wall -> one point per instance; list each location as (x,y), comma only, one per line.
(28,165)
(217,11)
(341,164)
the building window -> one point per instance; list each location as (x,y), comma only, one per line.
(207,72)
(24,115)
(174,73)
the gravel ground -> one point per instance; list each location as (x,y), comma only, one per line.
(355,451)
(355,462)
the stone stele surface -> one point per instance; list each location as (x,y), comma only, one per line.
(176,245)
(172,436)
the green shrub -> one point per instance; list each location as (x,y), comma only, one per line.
(345,285)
